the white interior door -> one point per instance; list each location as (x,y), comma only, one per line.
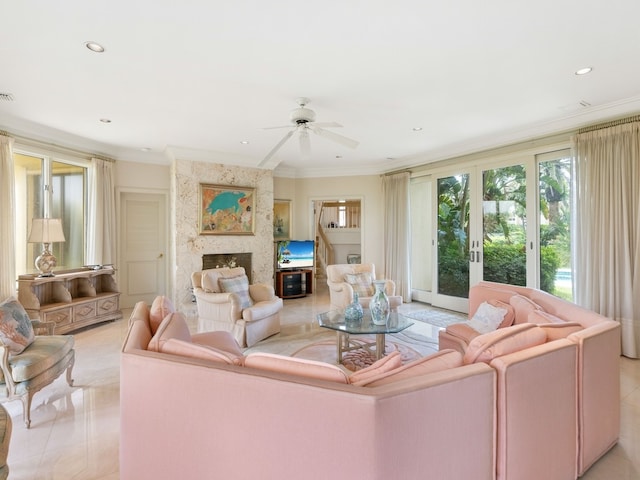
(143,247)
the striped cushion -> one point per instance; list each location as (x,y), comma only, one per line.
(239,286)
(362,283)
(42,354)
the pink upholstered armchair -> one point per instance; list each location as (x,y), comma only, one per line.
(227,302)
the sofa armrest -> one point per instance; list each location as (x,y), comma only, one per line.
(48,327)
(261,292)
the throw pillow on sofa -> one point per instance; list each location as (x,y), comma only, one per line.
(174,346)
(523,306)
(442,360)
(492,315)
(239,286)
(503,341)
(160,308)
(295,366)
(173,326)
(16,329)
(362,283)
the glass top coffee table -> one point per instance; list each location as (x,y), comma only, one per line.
(334,320)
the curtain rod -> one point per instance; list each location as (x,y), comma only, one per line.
(408,170)
(613,123)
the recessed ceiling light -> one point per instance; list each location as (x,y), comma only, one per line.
(417,129)
(105,120)
(244,142)
(338,156)
(94,47)
(145,149)
(390,158)
(584,71)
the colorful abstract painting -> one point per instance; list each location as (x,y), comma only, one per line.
(226,210)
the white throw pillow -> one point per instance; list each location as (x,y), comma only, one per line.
(487,318)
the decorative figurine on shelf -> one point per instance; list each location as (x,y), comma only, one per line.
(353,313)
(379,304)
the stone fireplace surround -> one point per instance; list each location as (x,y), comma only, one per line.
(189,246)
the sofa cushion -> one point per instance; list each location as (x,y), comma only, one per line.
(220,340)
(442,360)
(503,341)
(16,329)
(362,283)
(488,317)
(43,353)
(209,278)
(296,366)
(385,364)
(523,306)
(555,331)
(239,286)
(160,308)
(463,331)
(173,326)
(174,346)
(539,317)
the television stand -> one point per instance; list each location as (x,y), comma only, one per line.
(294,283)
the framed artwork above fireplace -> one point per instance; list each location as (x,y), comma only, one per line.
(226,210)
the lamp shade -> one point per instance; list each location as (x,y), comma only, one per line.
(46,230)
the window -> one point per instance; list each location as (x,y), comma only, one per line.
(51,187)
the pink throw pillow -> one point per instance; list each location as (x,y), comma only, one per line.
(160,308)
(385,364)
(442,360)
(503,341)
(509,317)
(174,346)
(554,331)
(173,326)
(295,366)
(522,307)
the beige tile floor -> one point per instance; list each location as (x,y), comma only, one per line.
(75,430)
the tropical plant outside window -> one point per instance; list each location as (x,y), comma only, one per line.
(504,239)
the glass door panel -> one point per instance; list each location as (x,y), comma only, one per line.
(555,225)
(453,214)
(504,224)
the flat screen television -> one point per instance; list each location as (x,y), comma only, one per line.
(294,254)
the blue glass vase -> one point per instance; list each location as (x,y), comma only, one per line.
(353,313)
(379,304)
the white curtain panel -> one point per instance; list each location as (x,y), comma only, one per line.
(607,227)
(101,223)
(7,219)
(397,238)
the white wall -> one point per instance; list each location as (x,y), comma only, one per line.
(367,188)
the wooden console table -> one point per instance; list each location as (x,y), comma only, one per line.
(72,298)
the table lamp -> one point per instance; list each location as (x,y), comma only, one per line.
(46,231)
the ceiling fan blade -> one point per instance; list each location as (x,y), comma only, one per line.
(305,144)
(347,142)
(326,124)
(276,148)
(273,128)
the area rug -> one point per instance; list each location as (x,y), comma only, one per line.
(436,318)
(326,351)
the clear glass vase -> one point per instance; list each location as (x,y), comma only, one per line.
(379,304)
(353,313)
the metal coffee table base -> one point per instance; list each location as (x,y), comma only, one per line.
(346,345)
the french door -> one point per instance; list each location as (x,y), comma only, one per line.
(506,222)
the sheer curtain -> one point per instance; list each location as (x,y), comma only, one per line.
(7,219)
(101,223)
(607,227)
(395,197)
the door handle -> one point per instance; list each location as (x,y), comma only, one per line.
(161,255)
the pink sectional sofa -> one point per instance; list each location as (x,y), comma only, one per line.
(531,420)
(216,414)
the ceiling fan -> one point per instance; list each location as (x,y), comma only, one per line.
(303,120)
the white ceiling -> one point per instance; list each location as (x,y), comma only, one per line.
(192,79)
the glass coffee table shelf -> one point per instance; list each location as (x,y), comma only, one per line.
(334,320)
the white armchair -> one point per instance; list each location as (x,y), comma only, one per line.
(342,278)
(227,302)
